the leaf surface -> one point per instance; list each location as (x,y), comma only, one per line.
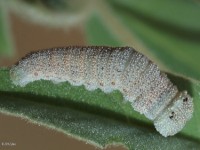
(95,117)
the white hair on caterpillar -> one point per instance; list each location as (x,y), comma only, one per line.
(109,68)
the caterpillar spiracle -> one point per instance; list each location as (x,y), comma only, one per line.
(139,80)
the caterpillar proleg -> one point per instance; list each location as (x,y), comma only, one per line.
(140,81)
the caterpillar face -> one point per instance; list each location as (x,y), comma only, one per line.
(175,116)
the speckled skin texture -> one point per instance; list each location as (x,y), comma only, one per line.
(140,81)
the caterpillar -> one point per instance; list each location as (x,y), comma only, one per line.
(140,81)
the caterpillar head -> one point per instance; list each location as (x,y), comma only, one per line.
(174,117)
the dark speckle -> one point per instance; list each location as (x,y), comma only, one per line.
(113,83)
(35,74)
(172,116)
(185,99)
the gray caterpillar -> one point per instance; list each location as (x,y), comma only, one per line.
(109,68)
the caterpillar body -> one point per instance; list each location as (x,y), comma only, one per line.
(140,81)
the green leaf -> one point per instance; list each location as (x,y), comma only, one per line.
(6,47)
(98,34)
(103,119)
(179,14)
(173,48)
(95,117)
(179,55)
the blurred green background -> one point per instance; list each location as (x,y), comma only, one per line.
(168,32)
